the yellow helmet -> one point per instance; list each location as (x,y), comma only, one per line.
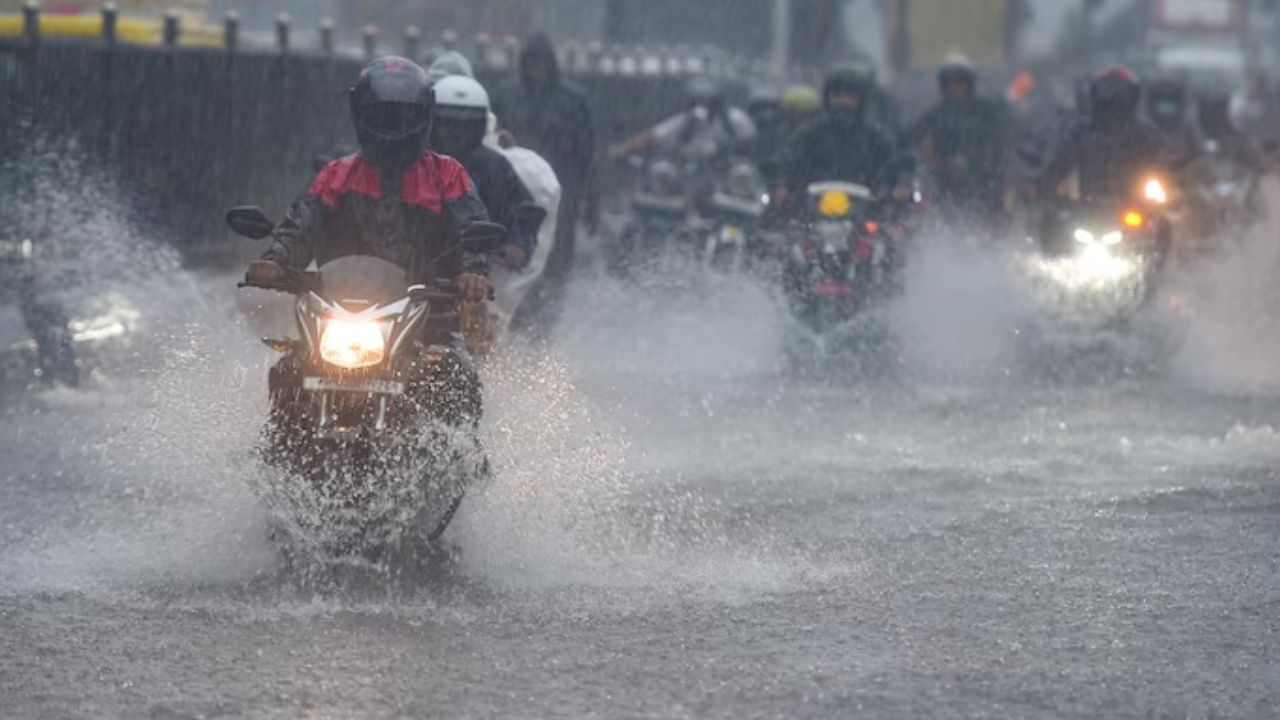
(801,100)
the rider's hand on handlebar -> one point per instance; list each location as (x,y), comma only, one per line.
(473,288)
(264,271)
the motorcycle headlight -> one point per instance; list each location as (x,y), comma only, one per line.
(1098,265)
(1154,192)
(352,345)
(834,204)
(1093,266)
(1085,237)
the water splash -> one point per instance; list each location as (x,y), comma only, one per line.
(574,503)
(962,308)
(155,452)
(1233,343)
(711,328)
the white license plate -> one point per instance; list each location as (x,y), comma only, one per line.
(380,387)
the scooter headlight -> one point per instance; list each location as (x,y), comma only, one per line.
(352,344)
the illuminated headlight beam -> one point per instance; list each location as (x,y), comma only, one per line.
(352,344)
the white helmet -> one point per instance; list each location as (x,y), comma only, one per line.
(461,98)
(450,63)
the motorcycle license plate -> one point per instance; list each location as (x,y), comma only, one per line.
(832,288)
(378,387)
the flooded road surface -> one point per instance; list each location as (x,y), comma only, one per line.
(678,528)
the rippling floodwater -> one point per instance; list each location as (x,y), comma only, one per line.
(680,528)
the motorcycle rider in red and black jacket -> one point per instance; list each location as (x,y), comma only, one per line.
(393,200)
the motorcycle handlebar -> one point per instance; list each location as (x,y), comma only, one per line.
(294,282)
(278,287)
(445,291)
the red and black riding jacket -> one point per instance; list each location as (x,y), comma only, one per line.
(415,222)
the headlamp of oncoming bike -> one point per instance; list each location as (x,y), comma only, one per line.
(1154,191)
(353,344)
(834,204)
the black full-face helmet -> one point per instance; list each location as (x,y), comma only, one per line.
(846,80)
(1114,95)
(391,106)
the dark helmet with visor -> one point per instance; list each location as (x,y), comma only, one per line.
(391,106)
(846,80)
(1114,94)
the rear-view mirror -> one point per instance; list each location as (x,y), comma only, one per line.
(484,237)
(249,221)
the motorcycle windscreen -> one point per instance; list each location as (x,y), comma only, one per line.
(362,280)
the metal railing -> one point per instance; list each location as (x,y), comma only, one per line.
(493,54)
